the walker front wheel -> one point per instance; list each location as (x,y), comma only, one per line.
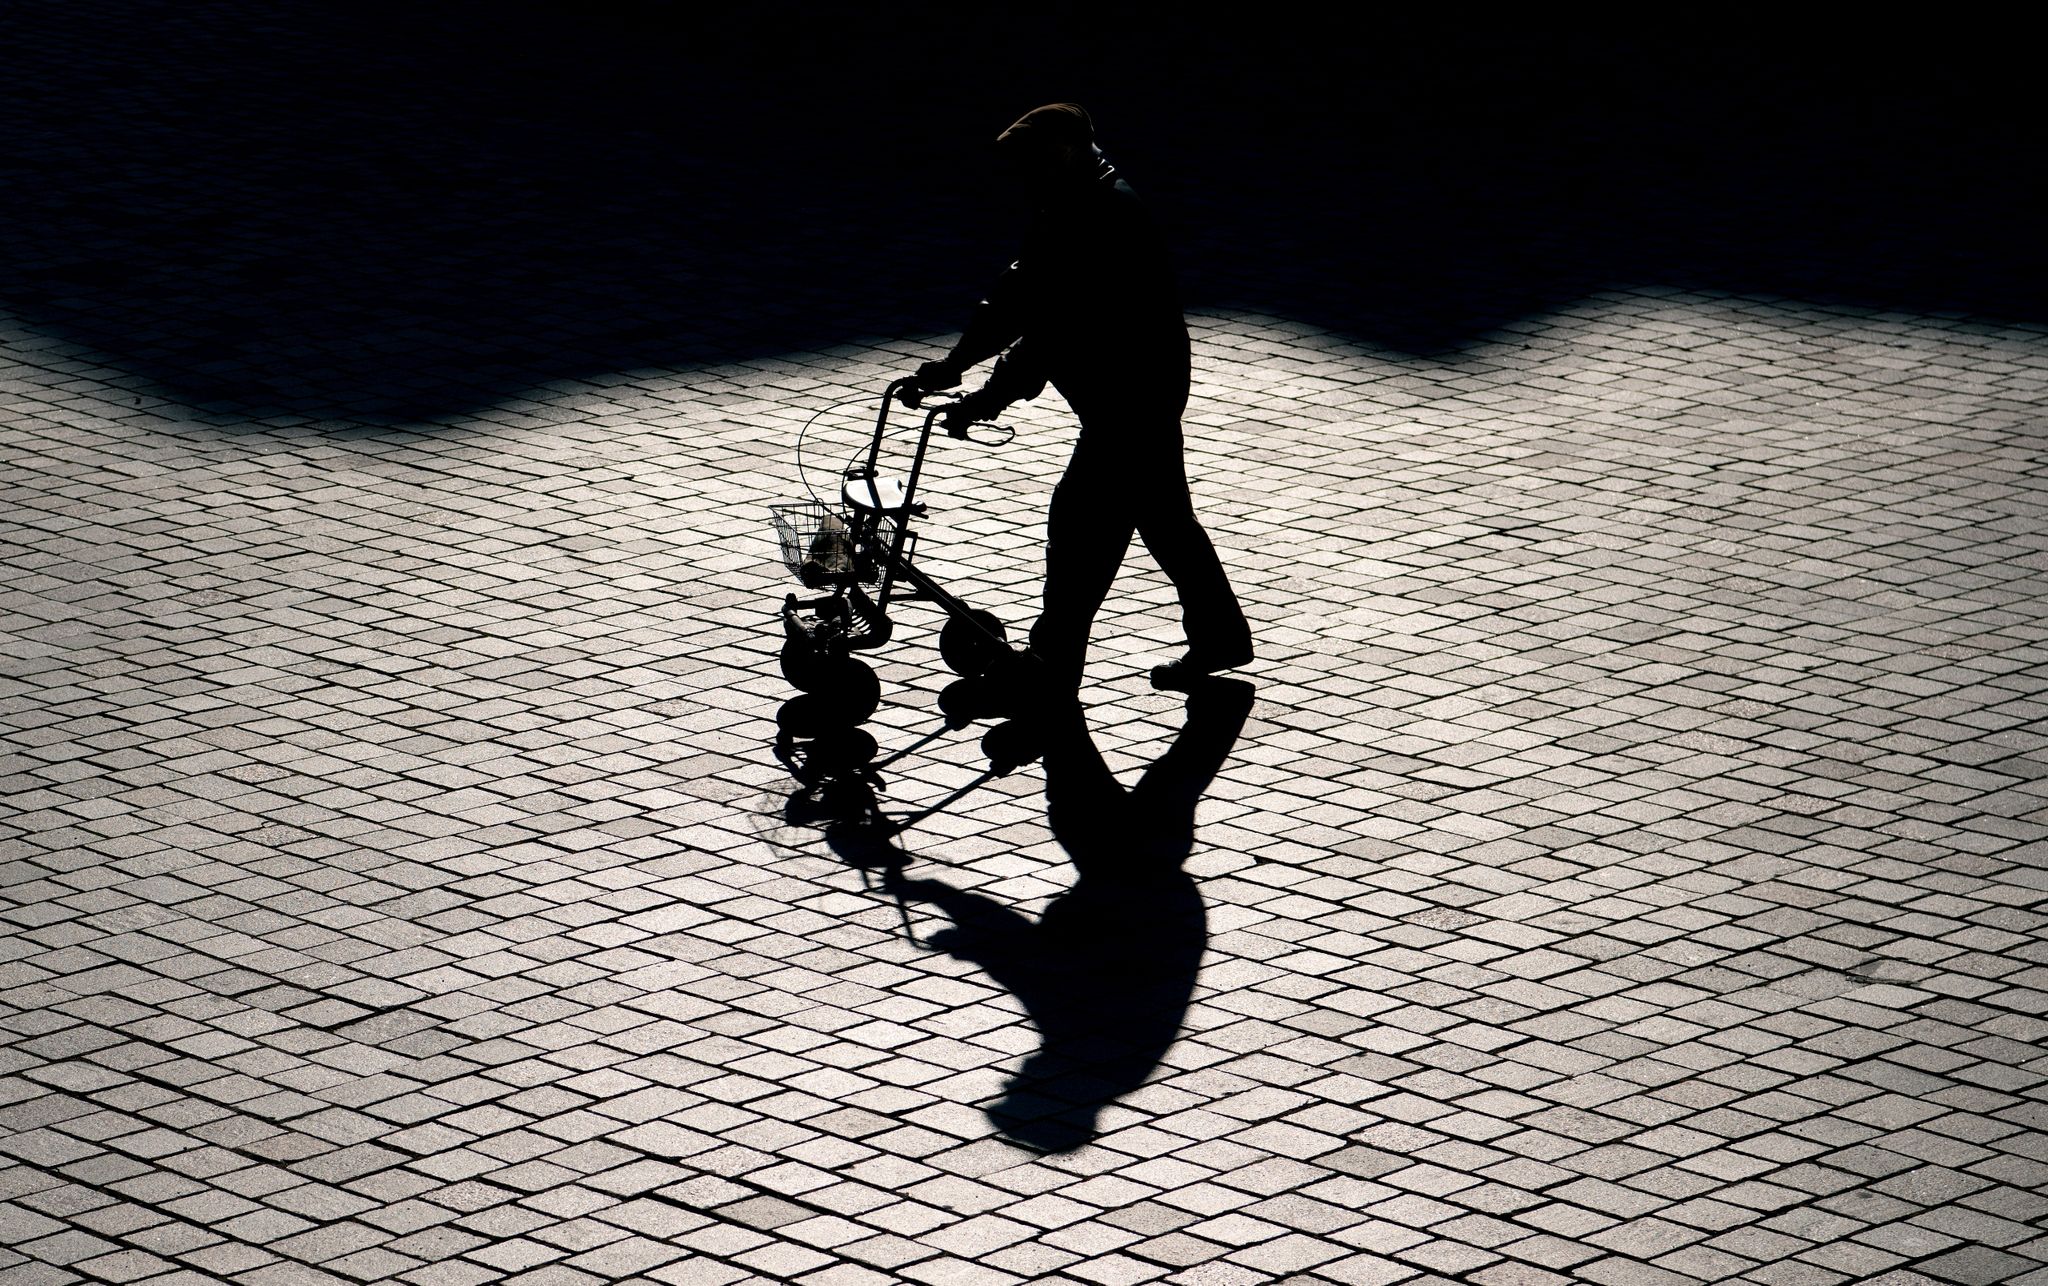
(805,663)
(839,691)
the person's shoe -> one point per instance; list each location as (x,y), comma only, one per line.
(1199,663)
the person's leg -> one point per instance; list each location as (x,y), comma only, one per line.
(1218,635)
(1210,614)
(1087,529)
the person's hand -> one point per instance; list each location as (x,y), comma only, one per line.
(933,376)
(977,407)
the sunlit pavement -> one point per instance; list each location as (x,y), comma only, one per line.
(1630,872)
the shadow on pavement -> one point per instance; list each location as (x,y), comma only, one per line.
(1106,973)
(382,212)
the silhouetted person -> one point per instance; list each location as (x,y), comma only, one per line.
(1091,306)
(1106,973)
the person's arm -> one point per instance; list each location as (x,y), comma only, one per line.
(994,325)
(1018,376)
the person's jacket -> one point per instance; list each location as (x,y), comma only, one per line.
(1090,304)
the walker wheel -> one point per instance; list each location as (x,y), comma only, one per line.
(804,715)
(806,663)
(852,689)
(969,651)
(840,691)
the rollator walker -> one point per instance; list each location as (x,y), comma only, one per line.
(868,539)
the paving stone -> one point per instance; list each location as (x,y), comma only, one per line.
(1977,1265)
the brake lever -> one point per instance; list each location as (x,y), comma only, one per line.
(960,432)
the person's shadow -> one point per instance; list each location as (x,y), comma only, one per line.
(1106,973)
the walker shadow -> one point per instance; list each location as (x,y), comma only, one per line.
(1107,972)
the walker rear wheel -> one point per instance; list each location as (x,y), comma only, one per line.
(968,651)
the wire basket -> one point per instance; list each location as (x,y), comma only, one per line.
(820,547)
(817,545)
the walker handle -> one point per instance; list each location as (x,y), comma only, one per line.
(909,394)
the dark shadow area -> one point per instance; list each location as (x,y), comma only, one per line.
(1105,975)
(393,212)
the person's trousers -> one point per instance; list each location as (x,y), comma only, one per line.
(1127,475)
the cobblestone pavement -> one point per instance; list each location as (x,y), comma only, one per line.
(1630,870)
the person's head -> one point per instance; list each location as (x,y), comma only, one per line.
(1045,146)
